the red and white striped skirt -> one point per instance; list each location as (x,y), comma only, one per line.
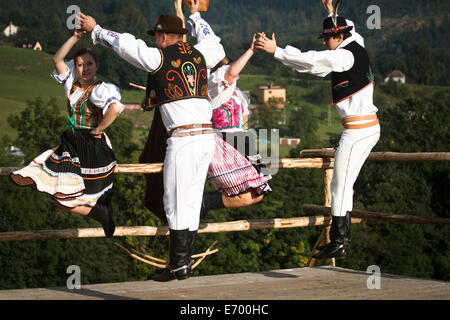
(232,173)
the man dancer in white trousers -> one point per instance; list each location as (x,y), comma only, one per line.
(177,85)
(352,91)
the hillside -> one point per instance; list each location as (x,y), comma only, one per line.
(402,22)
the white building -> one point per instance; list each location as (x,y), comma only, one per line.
(10,30)
(396,76)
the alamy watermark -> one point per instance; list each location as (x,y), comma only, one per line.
(259,146)
(73,21)
(73,281)
(374,20)
(374,281)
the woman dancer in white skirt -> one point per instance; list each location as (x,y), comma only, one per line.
(78,174)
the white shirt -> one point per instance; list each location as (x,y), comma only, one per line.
(101,96)
(219,91)
(321,63)
(136,52)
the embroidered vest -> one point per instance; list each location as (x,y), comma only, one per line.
(83,112)
(181,75)
(347,83)
(228,115)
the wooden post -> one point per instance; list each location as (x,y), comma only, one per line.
(324,237)
(178,4)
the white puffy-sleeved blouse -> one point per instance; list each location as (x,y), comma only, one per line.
(102,96)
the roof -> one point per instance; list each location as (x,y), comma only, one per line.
(396,74)
(270,86)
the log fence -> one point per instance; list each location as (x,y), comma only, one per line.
(311,158)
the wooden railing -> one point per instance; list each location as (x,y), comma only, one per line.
(317,158)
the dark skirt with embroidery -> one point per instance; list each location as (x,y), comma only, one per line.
(77,173)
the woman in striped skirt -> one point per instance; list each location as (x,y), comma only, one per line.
(237,181)
(78,174)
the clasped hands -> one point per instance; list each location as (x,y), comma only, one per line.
(263,43)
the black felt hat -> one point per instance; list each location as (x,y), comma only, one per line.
(168,24)
(330,29)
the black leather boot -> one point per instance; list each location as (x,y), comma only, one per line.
(339,239)
(212,200)
(348,226)
(192,236)
(179,266)
(103,214)
(348,222)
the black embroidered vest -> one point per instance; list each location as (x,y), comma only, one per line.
(83,112)
(347,83)
(181,75)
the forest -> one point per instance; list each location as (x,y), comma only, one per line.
(413,119)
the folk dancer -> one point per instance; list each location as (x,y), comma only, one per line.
(352,83)
(177,86)
(78,174)
(238,183)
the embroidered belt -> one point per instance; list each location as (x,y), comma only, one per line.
(178,134)
(360,118)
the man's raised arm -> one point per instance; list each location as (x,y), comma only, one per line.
(132,50)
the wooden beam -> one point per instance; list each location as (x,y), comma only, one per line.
(319,158)
(146,168)
(139,168)
(322,158)
(304,163)
(409,157)
(369,215)
(5,171)
(383,156)
(240,225)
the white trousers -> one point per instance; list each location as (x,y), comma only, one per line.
(185,167)
(354,147)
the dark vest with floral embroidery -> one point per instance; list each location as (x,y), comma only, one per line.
(347,83)
(181,75)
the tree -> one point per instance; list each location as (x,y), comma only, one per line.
(267,116)
(303,124)
(422,66)
(39,126)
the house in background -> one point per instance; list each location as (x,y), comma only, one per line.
(271,94)
(10,30)
(14,151)
(34,45)
(396,76)
(291,142)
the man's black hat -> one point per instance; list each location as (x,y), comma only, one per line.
(168,24)
(330,29)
